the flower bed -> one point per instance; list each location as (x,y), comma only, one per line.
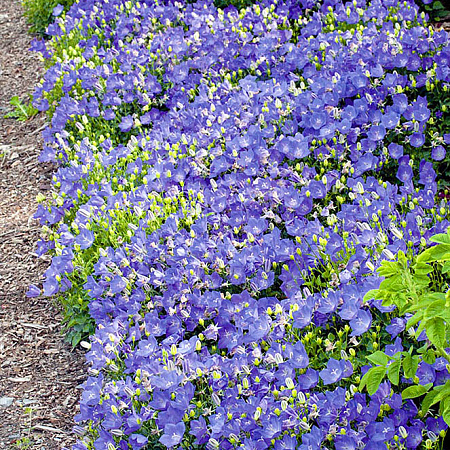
(228,182)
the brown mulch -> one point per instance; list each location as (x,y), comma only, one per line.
(39,372)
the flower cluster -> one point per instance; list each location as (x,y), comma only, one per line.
(227,183)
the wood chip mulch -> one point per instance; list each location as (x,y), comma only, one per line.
(39,372)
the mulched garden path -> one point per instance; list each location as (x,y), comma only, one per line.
(39,372)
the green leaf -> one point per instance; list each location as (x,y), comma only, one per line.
(75,339)
(445,403)
(446,267)
(378,358)
(416,391)
(429,356)
(394,372)
(421,327)
(436,332)
(372,379)
(392,283)
(388,269)
(429,400)
(441,238)
(446,416)
(424,302)
(414,320)
(387,300)
(371,294)
(410,365)
(436,253)
(402,258)
(435,308)
(422,268)
(438,5)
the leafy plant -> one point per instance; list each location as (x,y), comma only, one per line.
(435,9)
(409,286)
(24,442)
(39,13)
(21,111)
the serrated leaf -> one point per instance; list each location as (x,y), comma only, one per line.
(435,309)
(394,372)
(436,253)
(394,281)
(429,356)
(372,379)
(421,305)
(436,331)
(416,391)
(378,358)
(425,269)
(400,300)
(387,300)
(388,269)
(410,365)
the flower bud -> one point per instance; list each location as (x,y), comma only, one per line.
(289,383)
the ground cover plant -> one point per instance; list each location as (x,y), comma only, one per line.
(41,13)
(228,183)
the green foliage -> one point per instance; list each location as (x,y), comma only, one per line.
(21,111)
(436,10)
(414,287)
(39,13)
(239,4)
(23,443)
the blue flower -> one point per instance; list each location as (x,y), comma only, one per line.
(173,434)
(85,239)
(396,326)
(138,440)
(417,139)
(308,380)
(438,153)
(33,291)
(426,373)
(333,372)
(404,173)
(343,442)
(117,284)
(57,10)
(361,323)
(126,124)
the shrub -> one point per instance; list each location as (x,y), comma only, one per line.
(228,183)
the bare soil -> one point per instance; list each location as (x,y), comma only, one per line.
(39,372)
